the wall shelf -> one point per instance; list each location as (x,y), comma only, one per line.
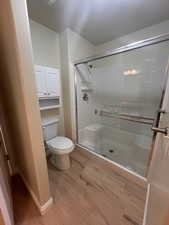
(50,107)
(47,104)
(46,98)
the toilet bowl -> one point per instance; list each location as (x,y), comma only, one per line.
(59,147)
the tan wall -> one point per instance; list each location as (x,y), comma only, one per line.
(18,83)
(5,126)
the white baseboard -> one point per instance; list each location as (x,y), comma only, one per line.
(42,208)
(46,206)
(146,205)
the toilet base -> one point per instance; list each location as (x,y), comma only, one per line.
(61,162)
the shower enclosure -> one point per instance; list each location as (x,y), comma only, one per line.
(118,96)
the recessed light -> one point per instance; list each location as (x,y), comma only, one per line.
(131,72)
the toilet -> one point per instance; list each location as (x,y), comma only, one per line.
(59,147)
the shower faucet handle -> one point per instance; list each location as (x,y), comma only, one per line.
(85,97)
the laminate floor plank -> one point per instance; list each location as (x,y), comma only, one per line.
(89,193)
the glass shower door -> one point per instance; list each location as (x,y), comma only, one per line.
(117,100)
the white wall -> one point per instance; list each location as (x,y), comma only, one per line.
(46,49)
(65,82)
(155,30)
(74,47)
(45,44)
(79,47)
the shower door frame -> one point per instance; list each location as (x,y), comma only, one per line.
(125,48)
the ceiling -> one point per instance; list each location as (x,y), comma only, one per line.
(99,21)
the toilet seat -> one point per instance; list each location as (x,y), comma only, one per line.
(60,145)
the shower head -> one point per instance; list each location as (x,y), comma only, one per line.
(84,72)
(90,66)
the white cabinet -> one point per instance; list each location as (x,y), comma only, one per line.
(41,81)
(48,82)
(52,82)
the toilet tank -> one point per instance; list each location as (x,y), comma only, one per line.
(50,130)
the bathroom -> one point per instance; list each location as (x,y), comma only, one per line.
(114,114)
(96,129)
(96,110)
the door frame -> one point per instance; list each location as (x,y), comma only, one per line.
(5,186)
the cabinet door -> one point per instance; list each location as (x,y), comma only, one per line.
(41,81)
(53,82)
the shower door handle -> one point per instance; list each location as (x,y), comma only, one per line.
(155,124)
(161,130)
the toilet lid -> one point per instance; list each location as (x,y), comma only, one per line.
(60,145)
